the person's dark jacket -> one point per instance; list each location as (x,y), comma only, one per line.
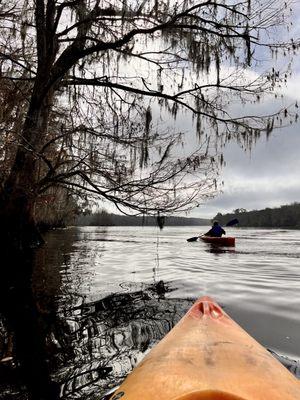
(216,231)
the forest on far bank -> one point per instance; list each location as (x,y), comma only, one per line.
(285,216)
(103,218)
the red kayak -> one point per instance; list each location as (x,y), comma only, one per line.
(220,241)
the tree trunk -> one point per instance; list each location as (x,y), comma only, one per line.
(19,237)
(19,192)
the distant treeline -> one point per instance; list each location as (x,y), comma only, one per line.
(286,216)
(103,218)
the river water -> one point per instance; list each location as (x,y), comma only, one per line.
(116,291)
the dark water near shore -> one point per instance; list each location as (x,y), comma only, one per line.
(107,295)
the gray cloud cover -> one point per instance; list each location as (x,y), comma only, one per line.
(267,177)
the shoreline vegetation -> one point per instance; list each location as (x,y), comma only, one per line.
(104,218)
(285,216)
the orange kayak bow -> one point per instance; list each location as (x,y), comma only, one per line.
(207,356)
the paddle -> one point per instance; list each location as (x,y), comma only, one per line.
(193,239)
(232,222)
(229,223)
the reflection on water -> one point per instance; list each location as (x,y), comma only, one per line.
(98,299)
(211,248)
(108,337)
(26,321)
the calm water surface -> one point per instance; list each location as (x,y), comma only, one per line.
(258,283)
(95,270)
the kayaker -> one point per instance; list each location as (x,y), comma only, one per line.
(216,230)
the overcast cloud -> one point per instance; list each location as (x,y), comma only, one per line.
(268,177)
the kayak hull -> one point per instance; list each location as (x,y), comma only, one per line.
(219,241)
(207,356)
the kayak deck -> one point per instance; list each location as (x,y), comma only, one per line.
(220,241)
(207,356)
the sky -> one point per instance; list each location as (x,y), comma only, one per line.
(266,177)
(269,176)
